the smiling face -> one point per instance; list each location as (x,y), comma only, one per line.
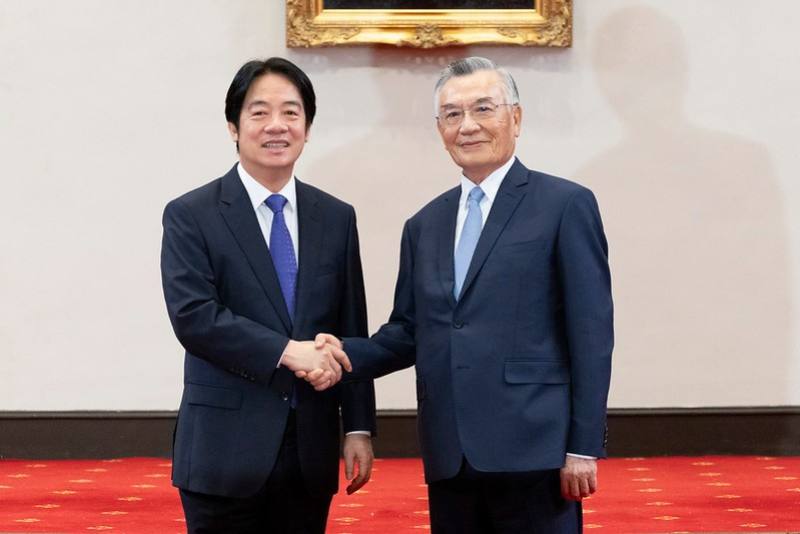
(479,148)
(272,130)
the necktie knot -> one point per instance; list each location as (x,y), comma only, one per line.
(276,203)
(475,195)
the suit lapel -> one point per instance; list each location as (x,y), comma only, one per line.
(237,211)
(310,230)
(446,228)
(508,197)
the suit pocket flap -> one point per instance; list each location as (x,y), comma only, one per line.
(527,372)
(213,396)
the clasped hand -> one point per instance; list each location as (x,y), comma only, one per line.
(319,362)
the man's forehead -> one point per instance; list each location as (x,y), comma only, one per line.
(470,88)
(273,89)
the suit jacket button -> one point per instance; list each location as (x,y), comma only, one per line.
(457,324)
(285,396)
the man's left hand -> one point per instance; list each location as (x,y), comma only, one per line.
(357,450)
(578,478)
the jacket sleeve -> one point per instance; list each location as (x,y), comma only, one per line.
(358,397)
(588,315)
(202,323)
(393,347)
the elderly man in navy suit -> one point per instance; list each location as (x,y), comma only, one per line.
(253,263)
(503,304)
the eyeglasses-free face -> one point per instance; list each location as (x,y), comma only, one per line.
(477,125)
(272,128)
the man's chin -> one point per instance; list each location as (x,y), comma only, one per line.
(276,163)
(473,163)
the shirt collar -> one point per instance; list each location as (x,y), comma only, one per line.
(258,193)
(490,185)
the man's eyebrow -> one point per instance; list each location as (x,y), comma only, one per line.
(257,103)
(481,100)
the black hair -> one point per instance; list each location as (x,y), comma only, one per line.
(252,70)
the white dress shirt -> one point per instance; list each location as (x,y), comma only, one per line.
(490,186)
(258,194)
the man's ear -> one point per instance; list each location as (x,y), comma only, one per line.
(517,117)
(234,132)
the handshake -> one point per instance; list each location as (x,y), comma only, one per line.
(319,362)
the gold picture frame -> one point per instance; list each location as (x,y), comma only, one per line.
(310,24)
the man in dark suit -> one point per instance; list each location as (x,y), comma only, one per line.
(503,304)
(251,262)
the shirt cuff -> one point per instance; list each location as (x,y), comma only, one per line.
(280,360)
(359,432)
(582,456)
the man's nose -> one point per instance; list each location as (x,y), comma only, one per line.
(468,124)
(275,124)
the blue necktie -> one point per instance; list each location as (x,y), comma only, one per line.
(282,252)
(469,238)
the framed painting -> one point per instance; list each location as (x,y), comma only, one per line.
(428,23)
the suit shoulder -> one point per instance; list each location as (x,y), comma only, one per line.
(559,191)
(434,205)
(558,185)
(329,201)
(205,195)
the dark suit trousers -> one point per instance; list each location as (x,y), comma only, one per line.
(281,506)
(502,503)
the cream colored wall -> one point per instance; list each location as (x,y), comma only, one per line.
(682,116)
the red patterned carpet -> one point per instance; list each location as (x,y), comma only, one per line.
(638,495)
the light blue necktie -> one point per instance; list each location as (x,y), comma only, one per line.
(282,252)
(469,238)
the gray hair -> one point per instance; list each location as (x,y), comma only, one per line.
(466,66)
